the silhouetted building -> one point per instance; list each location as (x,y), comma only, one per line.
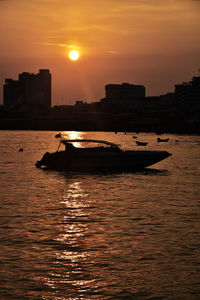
(12,93)
(188,91)
(122,98)
(30,91)
(187,97)
(157,109)
(125,92)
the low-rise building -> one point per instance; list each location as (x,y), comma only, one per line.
(124,93)
(187,96)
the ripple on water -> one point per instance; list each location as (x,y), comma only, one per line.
(99,236)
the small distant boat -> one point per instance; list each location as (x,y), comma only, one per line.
(108,156)
(141,143)
(162,140)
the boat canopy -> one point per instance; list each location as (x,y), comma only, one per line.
(65,141)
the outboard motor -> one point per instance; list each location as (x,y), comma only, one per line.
(38,164)
(43,161)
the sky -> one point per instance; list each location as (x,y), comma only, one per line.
(151,42)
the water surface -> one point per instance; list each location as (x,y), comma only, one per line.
(99,235)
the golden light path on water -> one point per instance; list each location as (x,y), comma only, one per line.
(73,135)
(72,231)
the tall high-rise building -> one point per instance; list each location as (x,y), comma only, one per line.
(32,91)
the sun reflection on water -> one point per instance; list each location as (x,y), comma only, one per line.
(73,135)
(74,192)
(71,256)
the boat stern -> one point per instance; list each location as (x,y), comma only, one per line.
(43,161)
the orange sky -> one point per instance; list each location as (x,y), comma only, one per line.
(150,42)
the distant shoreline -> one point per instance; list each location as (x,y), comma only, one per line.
(63,125)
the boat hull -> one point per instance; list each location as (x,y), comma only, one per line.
(83,161)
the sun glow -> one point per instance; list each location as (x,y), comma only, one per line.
(74,55)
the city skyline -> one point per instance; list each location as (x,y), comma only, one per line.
(142,42)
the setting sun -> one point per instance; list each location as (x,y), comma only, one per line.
(73,55)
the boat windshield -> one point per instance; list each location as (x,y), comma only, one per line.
(90,144)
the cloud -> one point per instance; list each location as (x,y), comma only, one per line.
(113,52)
(54,44)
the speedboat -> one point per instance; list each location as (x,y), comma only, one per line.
(103,156)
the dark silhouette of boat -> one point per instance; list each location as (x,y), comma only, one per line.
(141,143)
(162,140)
(106,157)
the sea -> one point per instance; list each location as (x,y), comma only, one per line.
(120,235)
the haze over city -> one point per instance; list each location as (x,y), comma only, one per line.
(150,42)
